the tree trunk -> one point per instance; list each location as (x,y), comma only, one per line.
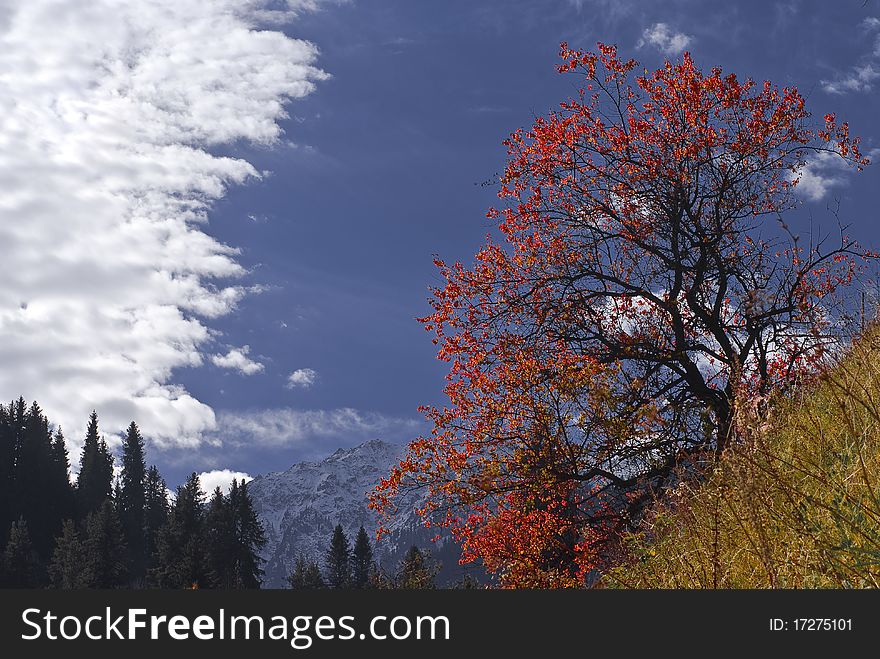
(724,428)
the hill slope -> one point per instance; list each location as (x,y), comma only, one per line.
(795,505)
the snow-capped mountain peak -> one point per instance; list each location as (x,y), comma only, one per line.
(301,506)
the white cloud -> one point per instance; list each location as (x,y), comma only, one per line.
(814,185)
(862,76)
(237,359)
(290,427)
(222,478)
(661,36)
(113,118)
(823,172)
(302,377)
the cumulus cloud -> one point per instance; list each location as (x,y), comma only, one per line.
(237,359)
(288,427)
(302,377)
(664,38)
(222,478)
(823,172)
(862,76)
(113,118)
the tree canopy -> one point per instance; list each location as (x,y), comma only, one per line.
(642,283)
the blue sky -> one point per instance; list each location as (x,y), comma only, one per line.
(317,259)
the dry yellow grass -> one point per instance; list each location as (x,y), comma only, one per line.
(796,504)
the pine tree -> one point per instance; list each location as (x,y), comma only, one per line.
(63,494)
(95,481)
(235,536)
(306,575)
(116,499)
(182,560)
(7,469)
(21,566)
(297,578)
(132,500)
(17,419)
(34,478)
(250,537)
(220,533)
(314,579)
(361,560)
(416,571)
(35,485)
(66,569)
(155,515)
(338,559)
(106,555)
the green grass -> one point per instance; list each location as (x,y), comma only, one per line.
(795,504)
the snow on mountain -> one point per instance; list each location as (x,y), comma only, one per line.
(300,507)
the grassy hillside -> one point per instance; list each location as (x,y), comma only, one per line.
(796,505)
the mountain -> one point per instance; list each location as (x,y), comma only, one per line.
(300,507)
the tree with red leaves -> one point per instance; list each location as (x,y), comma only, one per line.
(644,286)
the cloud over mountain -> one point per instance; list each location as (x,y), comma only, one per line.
(114,116)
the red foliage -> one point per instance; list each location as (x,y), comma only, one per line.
(634,298)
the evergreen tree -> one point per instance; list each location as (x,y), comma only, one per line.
(6,467)
(95,481)
(235,536)
(220,533)
(416,571)
(155,514)
(314,578)
(361,560)
(306,575)
(132,500)
(116,498)
(338,559)
(7,470)
(17,420)
(297,579)
(249,537)
(17,423)
(38,482)
(62,489)
(21,566)
(182,560)
(106,555)
(34,480)
(68,559)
